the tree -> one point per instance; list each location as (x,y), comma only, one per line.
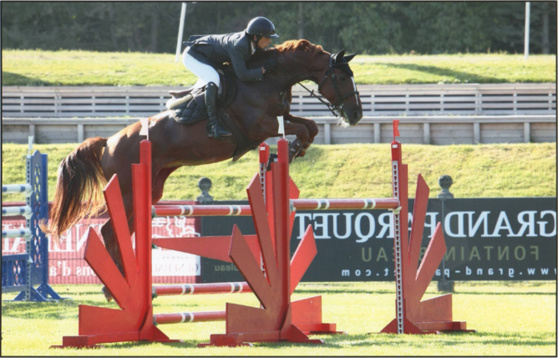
(364,27)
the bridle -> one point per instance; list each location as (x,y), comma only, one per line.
(330,73)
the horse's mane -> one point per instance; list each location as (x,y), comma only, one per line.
(285,48)
(299,45)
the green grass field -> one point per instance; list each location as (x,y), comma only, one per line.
(510,319)
(85,68)
(350,171)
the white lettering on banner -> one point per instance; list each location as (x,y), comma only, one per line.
(171,224)
(386,225)
(528,224)
(81,241)
(174,263)
(460,223)
(503,223)
(348,217)
(18,245)
(302,223)
(66,254)
(358,227)
(463,224)
(542,224)
(483,219)
(491,272)
(321,223)
(13,245)
(363,225)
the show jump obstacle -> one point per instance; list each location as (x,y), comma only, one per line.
(263,259)
(20,272)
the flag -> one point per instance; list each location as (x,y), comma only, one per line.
(395,128)
(281,126)
(144,127)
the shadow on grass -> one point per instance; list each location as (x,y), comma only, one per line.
(450,339)
(14,79)
(510,293)
(374,340)
(461,77)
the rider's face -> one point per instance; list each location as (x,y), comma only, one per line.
(264,42)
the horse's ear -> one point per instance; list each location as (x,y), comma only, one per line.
(338,56)
(349,57)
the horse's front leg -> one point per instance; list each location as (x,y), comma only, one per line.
(311,130)
(302,137)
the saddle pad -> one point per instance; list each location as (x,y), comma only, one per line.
(194,110)
(191,111)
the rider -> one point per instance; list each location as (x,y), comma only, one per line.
(205,53)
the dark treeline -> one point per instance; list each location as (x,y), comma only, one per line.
(364,27)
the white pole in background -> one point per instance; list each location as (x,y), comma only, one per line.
(527,22)
(180,31)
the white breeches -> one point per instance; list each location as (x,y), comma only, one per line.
(205,73)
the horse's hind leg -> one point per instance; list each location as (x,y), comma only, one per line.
(111,242)
(107,230)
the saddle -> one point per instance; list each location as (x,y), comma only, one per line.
(188,106)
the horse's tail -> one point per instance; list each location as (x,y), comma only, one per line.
(79,187)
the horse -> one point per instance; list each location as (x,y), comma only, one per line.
(83,174)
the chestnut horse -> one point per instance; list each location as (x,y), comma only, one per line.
(83,174)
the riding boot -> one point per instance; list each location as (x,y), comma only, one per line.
(214,128)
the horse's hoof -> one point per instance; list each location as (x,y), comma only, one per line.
(272,159)
(107,294)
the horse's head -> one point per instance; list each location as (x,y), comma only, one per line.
(338,86)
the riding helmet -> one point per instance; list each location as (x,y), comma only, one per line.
(261,26)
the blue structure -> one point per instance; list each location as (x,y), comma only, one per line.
(21,272)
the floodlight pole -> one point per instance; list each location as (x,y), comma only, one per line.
(180,31)
(527,23)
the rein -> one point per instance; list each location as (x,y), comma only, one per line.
(330,73)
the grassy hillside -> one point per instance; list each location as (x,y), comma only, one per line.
(359,170)
(352,171)
(82,68)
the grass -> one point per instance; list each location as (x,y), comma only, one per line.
(469,68)
(350,171)
(510,319)
(87,68)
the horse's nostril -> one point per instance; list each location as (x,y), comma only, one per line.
(357,115)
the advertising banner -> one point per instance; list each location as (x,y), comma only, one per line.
(487,239)
(66,254)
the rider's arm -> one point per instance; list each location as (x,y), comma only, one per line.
(238,62)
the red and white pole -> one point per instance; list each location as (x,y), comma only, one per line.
(201,288)
(189,317)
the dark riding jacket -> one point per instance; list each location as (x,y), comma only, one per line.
(216,49)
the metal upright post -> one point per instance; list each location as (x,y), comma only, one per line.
(445,181)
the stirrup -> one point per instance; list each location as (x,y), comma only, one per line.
(215,130)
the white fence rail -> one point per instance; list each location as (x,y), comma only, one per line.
(429,114)
(439,130)
(378,100)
